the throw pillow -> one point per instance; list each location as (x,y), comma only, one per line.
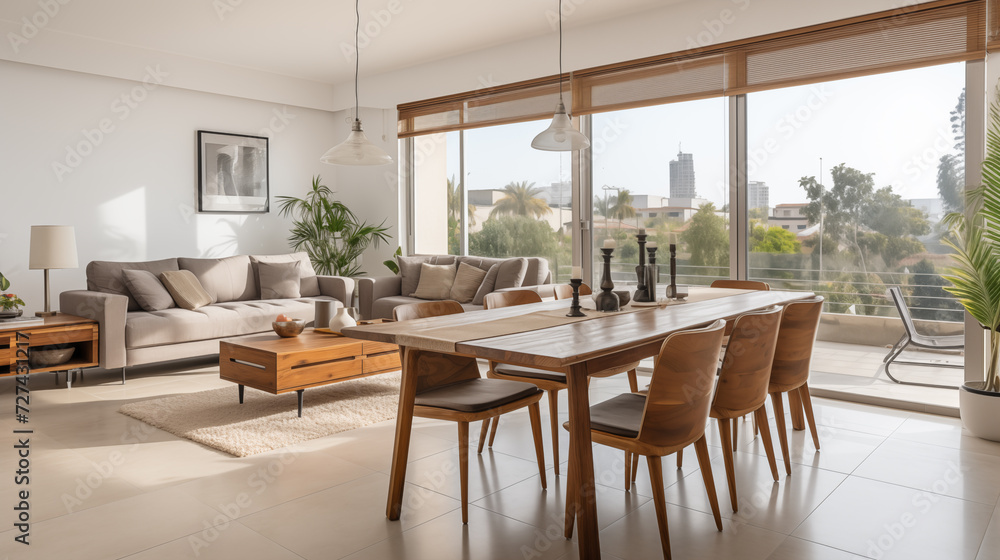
(279,280)
(225,278)
(409,270)
(309,286)
(435,281)
(185,288)
(467,282)
(487,286)
(511,273)
(147,290)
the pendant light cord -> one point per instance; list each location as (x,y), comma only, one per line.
(560,51)
(357,57)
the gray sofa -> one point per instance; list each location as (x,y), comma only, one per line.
(377,297)
(131,336)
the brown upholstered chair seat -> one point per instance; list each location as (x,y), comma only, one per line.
(621,415)
(530,373)
(476,395)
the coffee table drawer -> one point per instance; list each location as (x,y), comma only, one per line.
(382,362)
(319,374)
(371,347)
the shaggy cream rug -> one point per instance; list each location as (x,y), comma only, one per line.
(264,422)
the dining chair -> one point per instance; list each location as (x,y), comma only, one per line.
(452,388)
(550,381)
(670,416)
(565,291)
(741,285)
(790,368)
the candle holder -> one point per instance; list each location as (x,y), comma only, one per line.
(641,293)
(672,290)
(652,274)
(607,300)
(574,308)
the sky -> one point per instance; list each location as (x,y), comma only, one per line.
(895,125)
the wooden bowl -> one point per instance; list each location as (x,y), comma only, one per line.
(289,329)
(43,357)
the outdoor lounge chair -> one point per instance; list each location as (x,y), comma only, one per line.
(912,337)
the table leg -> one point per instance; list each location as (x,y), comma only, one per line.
(581,453)
(404,423)
(300,393)
(241,394)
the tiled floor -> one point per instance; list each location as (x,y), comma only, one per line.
(886,484)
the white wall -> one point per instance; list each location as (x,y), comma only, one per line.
(132,192)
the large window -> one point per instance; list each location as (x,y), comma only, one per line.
(848,184)
(663,170)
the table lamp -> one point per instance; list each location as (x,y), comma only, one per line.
(51,247)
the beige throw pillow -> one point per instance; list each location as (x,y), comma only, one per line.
(467,281)
(147,290)
(279,280)
(435,281)
(489,282)
(185,288)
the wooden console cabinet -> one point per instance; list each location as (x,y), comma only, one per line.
(59,329)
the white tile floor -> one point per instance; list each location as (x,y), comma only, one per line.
(886,484)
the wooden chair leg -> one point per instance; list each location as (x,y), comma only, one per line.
(795,409)
(628,470)
(680,458)
(807,406)
(705,463)
(536,433)
(725,432)
(659,501)
(736,433)
(635,467)
(779,419)
(765,438)
(482,434)
(554,425)
(463,467)
(493,430)
(753,420)
(633,381)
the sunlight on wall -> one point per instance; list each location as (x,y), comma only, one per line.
(120,230)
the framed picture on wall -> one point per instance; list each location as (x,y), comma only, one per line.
(232,173)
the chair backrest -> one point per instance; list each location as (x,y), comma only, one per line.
(426,309)
(496,300)
(742,285)
(896,295)
(746,367)
(794,349)
(565,291)
(680,393)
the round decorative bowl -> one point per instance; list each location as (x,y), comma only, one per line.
(288,329)
(623,297)
(49,356)
(11,313)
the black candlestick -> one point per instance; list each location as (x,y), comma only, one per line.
(641,293)
(574,308)
(607,300)
(652,274)
(672,291)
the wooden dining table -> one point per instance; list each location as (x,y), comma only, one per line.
(533,335)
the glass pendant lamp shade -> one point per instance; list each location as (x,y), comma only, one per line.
(356,150)
(560,136)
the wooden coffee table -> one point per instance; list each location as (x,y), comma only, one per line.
(282,365)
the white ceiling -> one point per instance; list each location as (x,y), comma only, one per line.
(304,38)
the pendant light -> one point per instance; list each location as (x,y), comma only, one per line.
(357,149)
(560,136)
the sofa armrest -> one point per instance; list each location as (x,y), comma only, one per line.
(340,287)
(371,289)
(109,310)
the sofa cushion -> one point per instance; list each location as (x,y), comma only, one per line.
(537,272)
(409,269)
(279,280)
(467,282)
(185,289)
(489,281)
(225,279)
(106,276)
(147,290)
(511,274)
(173,326)
(309,284)
(436,281)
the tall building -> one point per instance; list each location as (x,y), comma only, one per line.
(682,177)
(757,195)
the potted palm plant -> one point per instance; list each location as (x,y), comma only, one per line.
(329,232)
(975,282)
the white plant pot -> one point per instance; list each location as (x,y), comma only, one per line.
(341,319)
(980,410)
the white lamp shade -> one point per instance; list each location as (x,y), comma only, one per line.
(356,150)
(52,247)
(560,136)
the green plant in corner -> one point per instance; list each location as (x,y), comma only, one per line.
(975,239)
(329,232)
(393,264)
